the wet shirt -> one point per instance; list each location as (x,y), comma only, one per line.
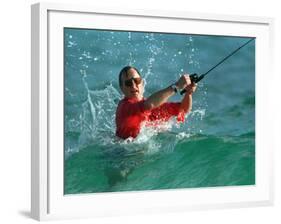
(131,113)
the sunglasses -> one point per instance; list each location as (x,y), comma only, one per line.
(129,82)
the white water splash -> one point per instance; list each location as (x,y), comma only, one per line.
(199,112)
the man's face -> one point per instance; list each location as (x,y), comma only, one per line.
(132,87)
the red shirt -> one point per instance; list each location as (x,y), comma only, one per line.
(131,113)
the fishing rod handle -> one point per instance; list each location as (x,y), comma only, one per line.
(194,79)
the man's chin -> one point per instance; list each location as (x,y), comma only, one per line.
(136,96)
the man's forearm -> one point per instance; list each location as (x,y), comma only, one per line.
(186,103)
(158,98)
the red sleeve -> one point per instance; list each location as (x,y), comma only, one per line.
(166,111)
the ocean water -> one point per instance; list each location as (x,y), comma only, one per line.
(215,147)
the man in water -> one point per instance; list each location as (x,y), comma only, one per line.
(133,110)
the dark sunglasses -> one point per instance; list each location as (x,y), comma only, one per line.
(129,82)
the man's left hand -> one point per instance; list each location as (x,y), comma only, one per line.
(183,81)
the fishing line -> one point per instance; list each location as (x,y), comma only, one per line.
(195,78)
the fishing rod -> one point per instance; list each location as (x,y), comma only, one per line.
(195,78)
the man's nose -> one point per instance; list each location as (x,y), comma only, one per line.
(134,84)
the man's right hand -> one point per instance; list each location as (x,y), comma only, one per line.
(190,89)
(183,81)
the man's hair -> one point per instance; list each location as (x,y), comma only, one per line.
(124,71)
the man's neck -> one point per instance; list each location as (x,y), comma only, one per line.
(134,99)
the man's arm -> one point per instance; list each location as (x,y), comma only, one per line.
(186,103)
(158,98)
(162,96)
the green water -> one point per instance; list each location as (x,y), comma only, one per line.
(214,147)
(199,161)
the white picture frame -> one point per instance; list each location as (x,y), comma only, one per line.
(48,201)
